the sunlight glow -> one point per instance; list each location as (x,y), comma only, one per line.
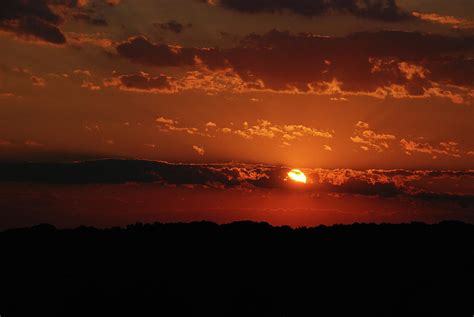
(297,176)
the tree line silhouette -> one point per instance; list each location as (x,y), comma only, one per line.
(238,269)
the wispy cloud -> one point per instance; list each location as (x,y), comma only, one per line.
(199,150)
(369,139)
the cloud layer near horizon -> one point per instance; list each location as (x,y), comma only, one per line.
(452,187)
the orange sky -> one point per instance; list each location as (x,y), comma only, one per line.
(373,100)
(187,81)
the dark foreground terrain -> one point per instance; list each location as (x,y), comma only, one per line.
(239,269)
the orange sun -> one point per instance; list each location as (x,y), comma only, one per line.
(297,176)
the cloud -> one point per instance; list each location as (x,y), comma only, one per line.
(172,26)
(211,125)
(85,17)
(86,11)
(211,82)
(464,201)
(83,72)
(140,50)
(31,19)
(41,20)
(34,27)
(199,150)
(456,23)
(364,188)
(142,82)
(385,10)
(361,62)
(80,39)
(412,71)
(362,125)
(416,185)
(284,133)
(369,139)
(38,81)
(90,85)
(169,125)
(92,128)
(379,64)
(449,148)
(166,121)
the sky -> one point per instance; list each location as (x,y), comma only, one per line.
(351,85)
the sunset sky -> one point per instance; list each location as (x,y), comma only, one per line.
(357,86)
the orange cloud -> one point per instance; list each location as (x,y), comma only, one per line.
(143,82)
(166,121)
(89,85)
(380,64)
(199,150)
(97,39)
(449,148)
(38,81)
(368,138)
(456,23)
(169,125)
(285,133)
(83,72)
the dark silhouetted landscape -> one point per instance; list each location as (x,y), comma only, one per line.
(238,269)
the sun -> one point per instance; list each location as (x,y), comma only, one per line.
(297,176)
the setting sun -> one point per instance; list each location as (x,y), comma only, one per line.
(297,176)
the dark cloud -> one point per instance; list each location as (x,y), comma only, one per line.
(281,59)
(362,187)
(172,26)
(144,82)
(140,50)
(457,70)
(408,62)
(16,9)
(39,19)
(413,184)
(85,17)
(117,171)
(40,29)
(385,10)
(31,18)
(464,201)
